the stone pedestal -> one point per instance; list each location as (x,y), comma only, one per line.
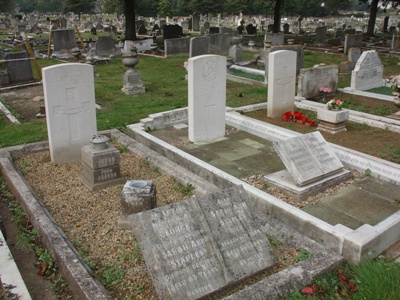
(136,196)
(100,168)
(332,121)
(132,81)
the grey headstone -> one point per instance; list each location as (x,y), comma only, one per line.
(199,46)
(198,246)
(105,45)
(321,34)
(351,41)
(18,70)
(308,158)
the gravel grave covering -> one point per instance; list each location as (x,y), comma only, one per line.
(89,219)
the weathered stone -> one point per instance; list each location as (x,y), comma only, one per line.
(198,246)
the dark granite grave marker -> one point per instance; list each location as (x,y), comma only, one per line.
(308,158)
(198,246)
(19,67)
(172,31)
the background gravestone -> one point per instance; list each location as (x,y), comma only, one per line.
(312,79)
(198,246)
(70,109)
(207,97)
(368,72)
(64,41)
(105,45)
(281,82)
(199,46)
(18,70)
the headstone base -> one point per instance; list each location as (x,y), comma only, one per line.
(100,168)
(284,180)
(333,128)
(332,121)
(131,90)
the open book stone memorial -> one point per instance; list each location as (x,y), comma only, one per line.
(198,246)
(311,165)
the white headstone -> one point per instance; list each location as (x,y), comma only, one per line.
(70,109)
(368,72)
(207,97)
(281,82)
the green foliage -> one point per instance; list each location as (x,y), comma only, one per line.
(112,276)
(185,190)
(367,172)
(165,8)
(79,7)
(304,255)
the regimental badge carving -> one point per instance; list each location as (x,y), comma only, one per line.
(209,70)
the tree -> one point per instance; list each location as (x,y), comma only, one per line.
(373,11)
(165,8)
(46,6)
(79,7)
(130,30)
(25,6)
(277,16)
(5,5)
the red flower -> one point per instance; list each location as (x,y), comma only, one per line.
(287,116)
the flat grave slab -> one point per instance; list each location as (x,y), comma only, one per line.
(198,246)
(308,158)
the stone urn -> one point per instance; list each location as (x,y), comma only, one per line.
(251,44)
(153,47)
(132,81)
(99,141)
(236,40)
(267,44)
(130,59)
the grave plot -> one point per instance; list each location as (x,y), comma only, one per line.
(198,246)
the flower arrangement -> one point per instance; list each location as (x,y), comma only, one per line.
(325,89)
(298,117)
(395,84)
(334,104)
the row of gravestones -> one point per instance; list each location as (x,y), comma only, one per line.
(201,245)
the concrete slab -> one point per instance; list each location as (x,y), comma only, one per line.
(380,187)
(354,207)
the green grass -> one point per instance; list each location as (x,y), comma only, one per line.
(247,75)
(384,90)
(371,279)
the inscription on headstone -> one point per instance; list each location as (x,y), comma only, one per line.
(368,71)
(196,247)
(308,158)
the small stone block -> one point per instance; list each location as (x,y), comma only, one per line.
(333,116)
(101,178)
(97,159)
(180,126)
(136,196)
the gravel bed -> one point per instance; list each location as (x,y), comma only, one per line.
(89,219)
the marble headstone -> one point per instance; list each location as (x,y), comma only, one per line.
(368,72)
(207,97)
(281,82)
(70,109)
